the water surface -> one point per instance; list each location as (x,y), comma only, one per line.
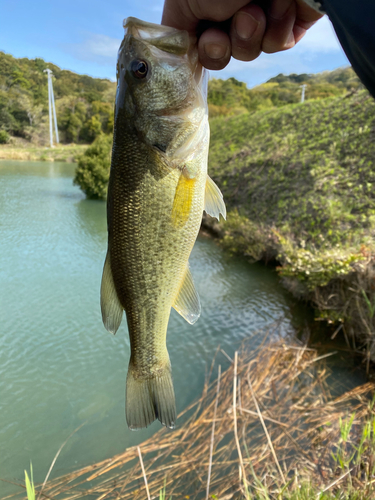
(59,367)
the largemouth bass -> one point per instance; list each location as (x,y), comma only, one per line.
(158,189)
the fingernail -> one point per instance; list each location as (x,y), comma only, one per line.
(245,25)
(279,8)
(215,50)
(291,40)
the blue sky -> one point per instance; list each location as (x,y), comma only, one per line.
(83,36)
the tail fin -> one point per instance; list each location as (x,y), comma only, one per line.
(150,398)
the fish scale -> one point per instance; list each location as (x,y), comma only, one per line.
(154,209)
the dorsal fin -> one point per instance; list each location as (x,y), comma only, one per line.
(213,202)
(187,301)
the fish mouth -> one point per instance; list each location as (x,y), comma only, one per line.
(170,40)
(175,42)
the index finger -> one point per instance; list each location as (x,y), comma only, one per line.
(186,14)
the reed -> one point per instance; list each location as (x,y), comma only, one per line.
(267,429)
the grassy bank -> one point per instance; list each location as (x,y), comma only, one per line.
(298,181)
(266,428)
(67,153)
(298,184)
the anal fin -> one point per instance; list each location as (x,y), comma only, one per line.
(111,307)
(213,202)
(187,302)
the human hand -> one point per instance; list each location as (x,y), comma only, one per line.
(240,28)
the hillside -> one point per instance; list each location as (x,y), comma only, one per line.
(226,97)
(307,169)
(84,105)
(298,182)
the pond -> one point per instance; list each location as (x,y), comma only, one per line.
(59,367)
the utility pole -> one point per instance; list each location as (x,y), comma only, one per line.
(51,108)
(303,92)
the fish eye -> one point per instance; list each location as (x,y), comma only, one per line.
(139,68)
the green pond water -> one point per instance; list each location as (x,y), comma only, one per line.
(59,367)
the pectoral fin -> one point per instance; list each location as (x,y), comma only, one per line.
(213,202)
(182,201)
(187,301)
(111,307)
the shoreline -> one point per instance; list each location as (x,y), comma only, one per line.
(64,153)
(342,302)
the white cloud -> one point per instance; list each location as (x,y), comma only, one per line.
(318,51)
(102,45)
(320,38)
(101,49)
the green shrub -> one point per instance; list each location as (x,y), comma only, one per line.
(243,236)
(4,137)
(92,172)
(91,130)
(317,268)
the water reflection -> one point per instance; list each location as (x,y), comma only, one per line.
(37,168)
(92,220)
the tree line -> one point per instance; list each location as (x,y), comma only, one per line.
(84,105)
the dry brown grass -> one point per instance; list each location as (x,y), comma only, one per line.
(270,417)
